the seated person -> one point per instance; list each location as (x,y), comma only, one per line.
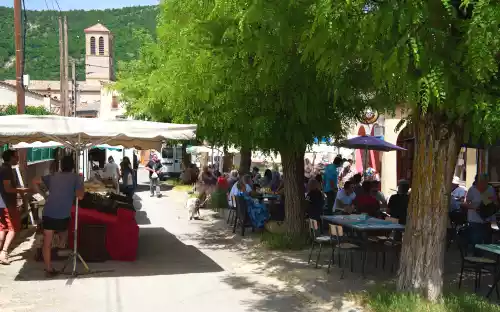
(380,196)
(356,183)
(398,203)
(315,199)
(345,198)
(242,186)
(367,202)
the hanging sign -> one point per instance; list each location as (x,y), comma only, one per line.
(368,116)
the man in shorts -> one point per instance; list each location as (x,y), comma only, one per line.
(10,218)
(64,187)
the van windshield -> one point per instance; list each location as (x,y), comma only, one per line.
(167,152)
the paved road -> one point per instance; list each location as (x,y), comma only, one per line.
(174,272)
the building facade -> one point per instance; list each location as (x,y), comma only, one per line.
(394,166)
(8,96)
(94,97)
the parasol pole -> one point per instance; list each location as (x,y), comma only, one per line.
(365,161)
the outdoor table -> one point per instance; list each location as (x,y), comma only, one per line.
(269,196)
(363,224)
(272,203)
(493,248)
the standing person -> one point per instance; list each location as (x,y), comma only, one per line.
(10,218)
(154,166)
(111,169)
(206,181)
(135,160)
(64,187)
(233,178)
(346,173)
(265,182)
(276,180)
(330,183)
(255,175)
(128,178)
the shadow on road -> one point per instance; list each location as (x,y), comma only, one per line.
(159,253)
(291,267)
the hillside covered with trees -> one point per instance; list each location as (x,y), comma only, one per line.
(42,38)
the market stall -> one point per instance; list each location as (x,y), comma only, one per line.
(79,134)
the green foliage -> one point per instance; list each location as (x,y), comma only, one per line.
(30,110)
(429,55)
(42,38)
(236,69)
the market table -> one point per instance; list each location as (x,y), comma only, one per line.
(363,224)
(493,248)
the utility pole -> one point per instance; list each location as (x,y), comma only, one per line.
(19,57)
(66,68)
(61,67)
(23,164)
(74,87)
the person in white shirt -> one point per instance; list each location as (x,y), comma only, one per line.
(479,230)
(243,185)
(111,169)
(345,197)
(458,194)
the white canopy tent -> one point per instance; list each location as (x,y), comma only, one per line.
(82,133)
(53,144)
(73,132)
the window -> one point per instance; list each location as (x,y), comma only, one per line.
(101,46)
(167,152)
(114,102)
(92,45)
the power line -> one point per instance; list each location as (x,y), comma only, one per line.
(57,3)
(47,5)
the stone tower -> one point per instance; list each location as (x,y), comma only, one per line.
(98,54)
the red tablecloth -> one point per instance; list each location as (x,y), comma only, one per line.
(122,232)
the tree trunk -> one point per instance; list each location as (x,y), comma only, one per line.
(227,161)
(186,158)
(422,256)
(245,161)
(293,178)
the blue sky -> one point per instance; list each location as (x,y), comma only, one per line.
(79,4)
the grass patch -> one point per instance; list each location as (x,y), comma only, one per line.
(178,185)
(386,299)
(278,241)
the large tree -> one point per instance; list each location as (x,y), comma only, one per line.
(438,58)
(237,69)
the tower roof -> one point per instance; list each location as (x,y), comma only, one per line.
(97,28)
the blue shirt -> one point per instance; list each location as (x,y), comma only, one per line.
(62,192)
(331,174)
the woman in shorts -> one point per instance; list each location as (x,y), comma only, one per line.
(63,187)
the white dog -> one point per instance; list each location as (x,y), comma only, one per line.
(193,206)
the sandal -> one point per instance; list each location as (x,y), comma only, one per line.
(51,273)
(4,257)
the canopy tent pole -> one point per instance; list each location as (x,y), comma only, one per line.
(365,161)
(75,234)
